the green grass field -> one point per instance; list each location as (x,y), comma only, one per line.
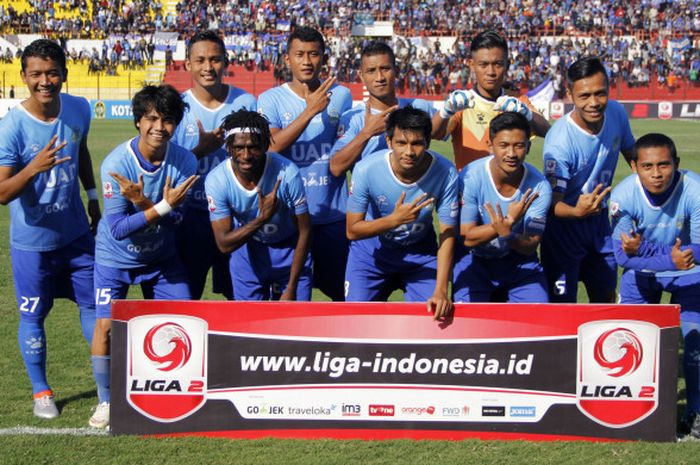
(70,375)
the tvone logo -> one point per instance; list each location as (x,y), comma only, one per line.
(618,351)
(168,345)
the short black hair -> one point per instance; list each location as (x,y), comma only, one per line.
(412,119)
(489,39)
(378,48)
(509,120)
(164,99)
(306,34)
(46,49)
(208,35)
(584,68)
(248,119)
(654,139)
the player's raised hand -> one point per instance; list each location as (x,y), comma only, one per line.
(440,305)
(318,100)
(457,100)
(376,123)
(208,141)
(267,204)
(503,225)
(505,103)
(133,192)
(175,196)
(683,259)
(589,204)
(631,243)
(405,213)
(47,157)
(516,210)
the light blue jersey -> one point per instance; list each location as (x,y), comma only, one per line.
(327,194)
(48,214)
(353,120)
(376,189)
(153,243)
(479,188)
(187,133)
(677,217)
(575,161)
(229,199)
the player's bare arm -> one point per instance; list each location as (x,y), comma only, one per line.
(303,224)
(87,179)
(404,213)
(440,303)
(12,184)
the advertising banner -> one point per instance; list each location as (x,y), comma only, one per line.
(111,109)
(635,110)
(387,370)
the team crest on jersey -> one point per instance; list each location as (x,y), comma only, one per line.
(211,203)
(550,166)
(107,190)
(34,148)
(191,130)
(75,137)
(614,209)
(287,117)
(333,115)
(382,200)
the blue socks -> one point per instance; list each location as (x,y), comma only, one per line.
(32,346)
(100,369)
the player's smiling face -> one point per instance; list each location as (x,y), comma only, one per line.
(247,155)
(378,74)
(590,97)
(155,129)
(304,60)
(206,63)
(490,66)
(44,78)
(409,152)
(655,168)
(509,148)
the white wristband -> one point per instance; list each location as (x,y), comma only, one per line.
(163,208)
(91,194)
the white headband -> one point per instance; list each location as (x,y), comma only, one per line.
(239,130)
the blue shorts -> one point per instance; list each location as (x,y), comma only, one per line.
(329,250)
(372,274)
(161,281)
(519,276)
(642,288)
(198,252)
(41,277)
(579,250)
(262,271)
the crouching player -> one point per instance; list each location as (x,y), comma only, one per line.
(136,241)
(258,211)
(390,218)
(504,208)
(656,215)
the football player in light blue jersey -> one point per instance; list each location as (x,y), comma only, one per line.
(390,218)
(504,209)
(136,240)
(210,101)
(361,129)
(43,153)
(656,217)
(580,157)
(258,212)
(304,115)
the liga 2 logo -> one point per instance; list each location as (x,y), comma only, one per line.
(166,366)
(618,371)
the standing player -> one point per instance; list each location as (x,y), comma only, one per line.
(43,153)
(210,101)
(504,254)
(136,241)
(466,114)
(658,209)
(361,129)
(258,211)
(390,218)
(304,115)
(580,157)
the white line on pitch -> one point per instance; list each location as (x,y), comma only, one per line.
(33,430)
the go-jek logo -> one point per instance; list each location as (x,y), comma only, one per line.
(168,345)
(617,374)
(618,351)
(166,366)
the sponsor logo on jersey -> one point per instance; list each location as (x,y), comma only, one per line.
(107,190)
